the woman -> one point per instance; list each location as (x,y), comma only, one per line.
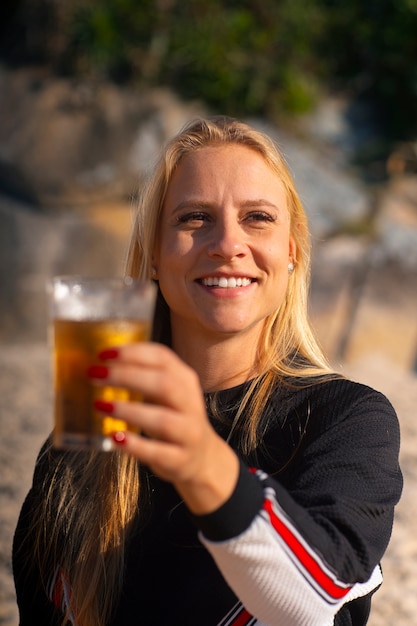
(262,487)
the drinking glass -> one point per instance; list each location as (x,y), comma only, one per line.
(87,316)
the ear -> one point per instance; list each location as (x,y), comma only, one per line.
(154,269)
(155,261)
(292,250)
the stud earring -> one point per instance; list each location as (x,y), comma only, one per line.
(153,272)
(290,268)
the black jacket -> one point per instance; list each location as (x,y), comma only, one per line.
(299,541)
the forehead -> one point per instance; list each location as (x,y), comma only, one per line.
(230,164)
(233,153)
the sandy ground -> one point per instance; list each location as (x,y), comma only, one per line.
(25,420)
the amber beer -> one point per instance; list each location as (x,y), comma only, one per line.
(76,344)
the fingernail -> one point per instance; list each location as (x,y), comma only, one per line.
(98,371)
(119,437)
(104,406)
(109,353)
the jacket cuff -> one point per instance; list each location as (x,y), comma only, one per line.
(237,513)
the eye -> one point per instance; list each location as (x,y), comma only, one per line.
(193,218)
(260,216)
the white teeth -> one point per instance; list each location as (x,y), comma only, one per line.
(226,283)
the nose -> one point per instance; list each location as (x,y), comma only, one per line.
(227,241)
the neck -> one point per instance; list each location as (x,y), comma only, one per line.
(220,362)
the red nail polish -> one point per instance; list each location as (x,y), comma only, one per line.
(109,353)
(104,406)
(98,371)
(119,437)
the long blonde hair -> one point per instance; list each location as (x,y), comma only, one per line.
(89,502)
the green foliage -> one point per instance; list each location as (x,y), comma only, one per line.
(248,58)
(242,57)
(372,45)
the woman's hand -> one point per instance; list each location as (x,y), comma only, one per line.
(177,441)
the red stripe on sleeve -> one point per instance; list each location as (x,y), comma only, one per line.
(242,619)
(330,587)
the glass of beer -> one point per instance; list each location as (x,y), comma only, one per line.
(87,316)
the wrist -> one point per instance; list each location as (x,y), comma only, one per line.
(210,489)
(235,515)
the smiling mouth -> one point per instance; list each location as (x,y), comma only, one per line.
(226,283)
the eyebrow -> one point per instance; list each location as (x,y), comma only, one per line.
(200,204)
(259,203)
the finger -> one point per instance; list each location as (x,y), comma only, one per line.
(161,457)
(161,424)
(145,353)
(177,386)
(158,385)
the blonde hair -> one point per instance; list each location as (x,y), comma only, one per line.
(85,511)
(89,502)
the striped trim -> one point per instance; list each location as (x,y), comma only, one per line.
(304,558)
(238,616)
(60,593)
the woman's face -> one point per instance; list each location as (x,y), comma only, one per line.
(223,244)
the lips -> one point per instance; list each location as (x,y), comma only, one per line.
(224,282)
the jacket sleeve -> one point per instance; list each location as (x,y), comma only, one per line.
(296,555)
(32,600)
(34,605)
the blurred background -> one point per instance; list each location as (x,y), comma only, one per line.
(91,89)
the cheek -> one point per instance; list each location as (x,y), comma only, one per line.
(173,245)
(281,249)
(174,264)
(276,254)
